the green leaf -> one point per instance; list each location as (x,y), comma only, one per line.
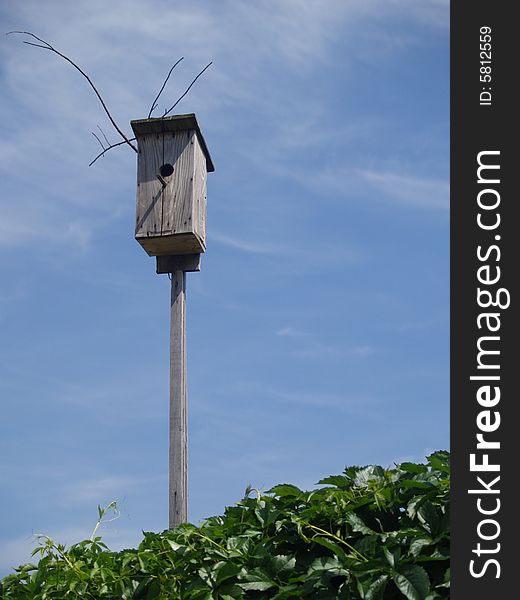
(440,461)
(256,580)
(413,467)
(281,564)
(337,480)
(26,567)
(259,586)
(332,546)
(446,580)
(366,475)
(231,592)
(414,504)
(377,588)
(288,592)
(418,544)
(412,581)
(142,588)
(416,483)
(392,556)
(331,565)
(286,489)
(429,517)
(174,545)
(225,571)
(239,546)
(154,590)
(358,524)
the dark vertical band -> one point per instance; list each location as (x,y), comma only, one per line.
(484,276)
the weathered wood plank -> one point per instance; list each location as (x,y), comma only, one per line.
(181,243)
(172,124)
(178,475)
(164,209)
(178,209)
(199,192)
(170,264)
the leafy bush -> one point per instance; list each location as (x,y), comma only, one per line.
(369,534)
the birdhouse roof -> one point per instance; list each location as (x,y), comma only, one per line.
(170,125)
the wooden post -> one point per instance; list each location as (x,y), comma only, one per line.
(172,166)
(177,266)
(178,485)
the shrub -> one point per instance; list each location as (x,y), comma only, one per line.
(369,533)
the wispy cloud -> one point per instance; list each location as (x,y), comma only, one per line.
(15,231)
(316,350)
(363,350)
(423,324)
(349,403)
(290,332)
(103,488)
(431,13)
(308,346)
(244,245)
(413,191)
(404,189)
(316,399)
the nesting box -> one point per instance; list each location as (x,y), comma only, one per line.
(172,166)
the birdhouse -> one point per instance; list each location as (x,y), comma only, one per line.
(172,166)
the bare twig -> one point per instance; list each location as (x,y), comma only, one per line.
(100,142)
(187,90)
(29,43)
(109,148)
(103,134)
(154,103)
(46,46)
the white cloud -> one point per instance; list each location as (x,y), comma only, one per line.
(101,488)
(308,347)
(363,350)
(245,246)
(14,231)
(343,402)
(348,404)
(413,191)
(315,350)
(405,189)
(290,332)
(431,13)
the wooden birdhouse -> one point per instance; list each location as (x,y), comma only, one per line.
(172,165)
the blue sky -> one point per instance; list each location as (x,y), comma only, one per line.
(318,328)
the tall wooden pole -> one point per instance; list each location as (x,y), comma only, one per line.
(172,165)
(177,266)
(178,484)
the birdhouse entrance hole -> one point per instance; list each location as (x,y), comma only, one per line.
(166,170)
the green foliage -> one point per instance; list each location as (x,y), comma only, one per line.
(368,534)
